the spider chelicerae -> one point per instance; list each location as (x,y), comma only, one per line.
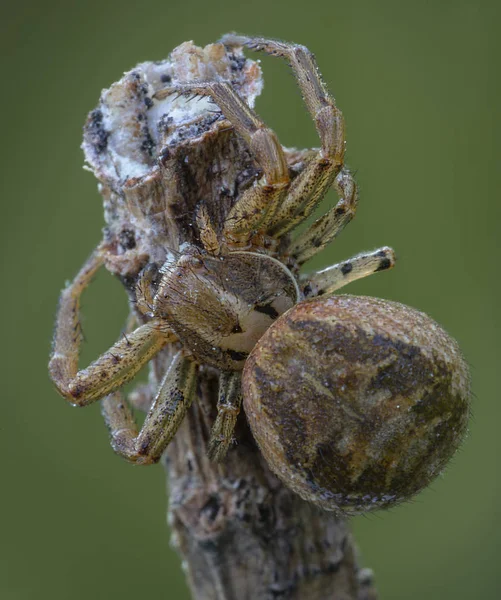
(214,298)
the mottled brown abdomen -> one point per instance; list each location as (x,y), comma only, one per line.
(356,403)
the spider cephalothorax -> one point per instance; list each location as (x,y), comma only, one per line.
(220,306)
(355,403)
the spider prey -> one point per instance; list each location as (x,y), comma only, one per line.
(215,296)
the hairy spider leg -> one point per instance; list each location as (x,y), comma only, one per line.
(328,226)
(228,407)
(112,369)
(144,289)
(333,278)
(266,194)
(174,397)
(320,173)
(208,234)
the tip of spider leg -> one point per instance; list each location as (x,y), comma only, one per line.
(175,90)
(216,452)
(388,258)
(232,39)
(164,93)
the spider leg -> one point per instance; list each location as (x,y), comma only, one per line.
(333,278)
(257,202)
(144,291)
(142,395)
(174,396)
(228,407)
(320,173)
(208,235)
(327,227)
(113,368)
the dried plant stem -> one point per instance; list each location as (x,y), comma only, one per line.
(242,534)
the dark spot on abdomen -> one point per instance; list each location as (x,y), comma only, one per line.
(267,309)
(234,355)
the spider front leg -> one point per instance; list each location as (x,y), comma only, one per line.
(262,200)
(174,397)
(228,407)
(327,281)
(115,367)
(320,173)
(327,227)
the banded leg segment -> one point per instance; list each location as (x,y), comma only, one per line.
(320,104)
(63,363)
(144,290)
(112,369)
(311,185)
(228,408)
(327,227)
(327,281)
(174,397)
(265,196)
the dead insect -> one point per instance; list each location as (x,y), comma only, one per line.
(355,403)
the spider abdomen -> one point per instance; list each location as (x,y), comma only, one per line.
(356,403)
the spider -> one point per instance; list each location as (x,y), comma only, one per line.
(215,299)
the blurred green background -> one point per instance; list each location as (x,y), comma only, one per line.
(419,85)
